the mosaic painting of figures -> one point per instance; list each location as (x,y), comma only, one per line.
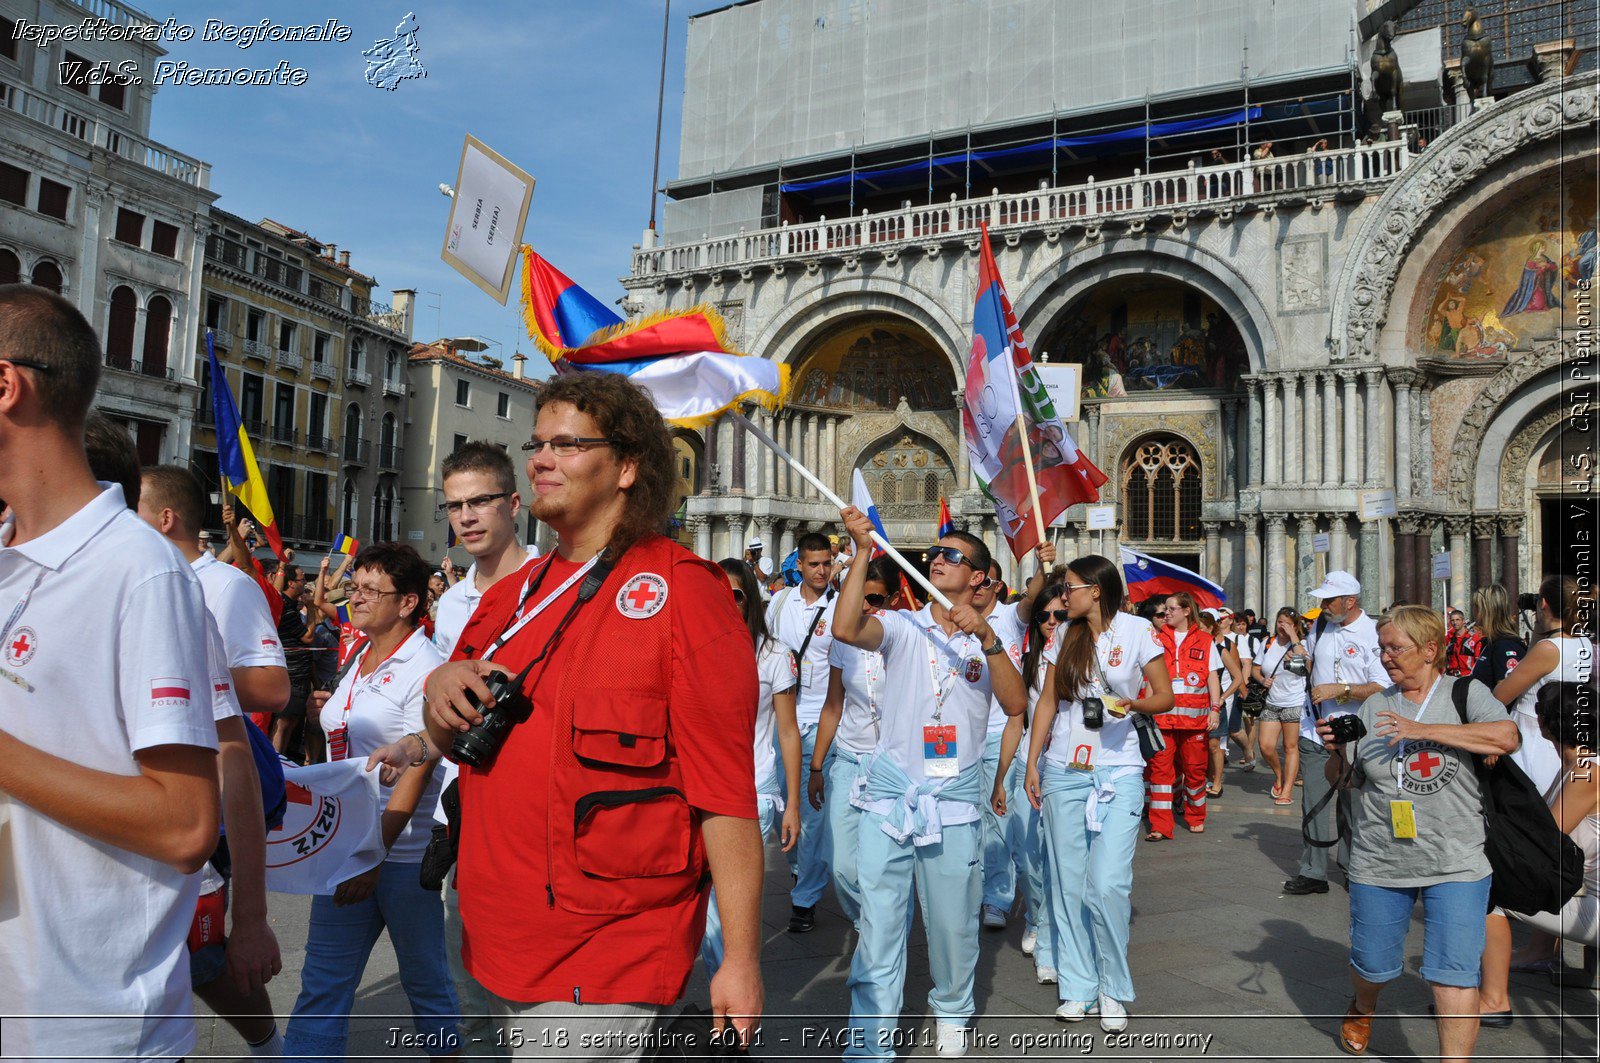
(869,367)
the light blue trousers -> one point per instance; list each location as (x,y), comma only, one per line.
(999,878)
(844,829)
(711,945)
(810,858)
(949,886)
(1091,879)
(1025,833)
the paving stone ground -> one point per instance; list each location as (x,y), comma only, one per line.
(1226,967)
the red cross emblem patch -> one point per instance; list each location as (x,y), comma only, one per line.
(642,596)
(19,650)
(1349,651)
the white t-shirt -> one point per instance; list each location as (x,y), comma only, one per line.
(1537,756)
(789,617)
(382,708)
(456,606)
(916,650)
(224,705)
(107,658)
(242,614)
(1345,653)
(1287,690)
(1123,649)
(776,673)
(1010,629)
(861,672)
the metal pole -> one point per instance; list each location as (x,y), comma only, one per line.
(661,96)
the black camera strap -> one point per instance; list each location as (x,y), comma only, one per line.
(1341,825)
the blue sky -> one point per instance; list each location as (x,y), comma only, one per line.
(566,89)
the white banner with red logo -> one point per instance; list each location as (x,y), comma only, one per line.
(331,828)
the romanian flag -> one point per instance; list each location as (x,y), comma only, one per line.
(346,545)
(683,358)
(1151,577)
(450,536)
(236,461)
(946,525)
(342,611)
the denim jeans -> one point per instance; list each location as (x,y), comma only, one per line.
(1452,930)
(337,946)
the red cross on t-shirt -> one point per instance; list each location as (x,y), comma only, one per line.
(642,595)
(1425,763)
(21,646)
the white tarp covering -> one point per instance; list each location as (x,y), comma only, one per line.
(787,79)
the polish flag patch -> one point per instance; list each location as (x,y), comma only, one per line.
(168,691)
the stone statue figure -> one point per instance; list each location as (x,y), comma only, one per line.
(1477,58)
(1388,84)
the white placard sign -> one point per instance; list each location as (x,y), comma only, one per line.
(1321,543)
(487,216)
(1375,504)
(1102,518)
(1441,566)
(415,536)
(1064,382)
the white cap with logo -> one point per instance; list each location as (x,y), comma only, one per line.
(1337,584)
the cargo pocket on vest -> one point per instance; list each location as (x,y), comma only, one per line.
(627,730)
(623,834)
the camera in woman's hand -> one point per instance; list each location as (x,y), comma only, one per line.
(1297,665)
(1346,729)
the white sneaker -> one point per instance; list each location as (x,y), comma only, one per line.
(993,917)
(1076,1010)
(1030,938)
(1046,975)
(1113,1016)
(952,1040)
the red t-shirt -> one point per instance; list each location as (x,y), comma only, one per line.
(516,944)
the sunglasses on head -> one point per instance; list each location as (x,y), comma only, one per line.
(1058,615)
(877,601)
(951,556)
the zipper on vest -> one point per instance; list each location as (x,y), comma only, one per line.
(549,895)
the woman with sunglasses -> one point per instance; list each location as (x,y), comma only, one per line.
(1085,773)
(1192,666)
(1009,798)
(850,716)
(776,729)
(1283,669)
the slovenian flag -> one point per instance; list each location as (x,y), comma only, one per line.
(346,545)
(861,498)
(1150,577)
(682,358)
(946,525)
(1002,385)
(236,460)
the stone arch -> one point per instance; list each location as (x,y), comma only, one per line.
(1457,158)
(860,435)
(811,311)
(1473,482)
(1119,433)
(1045,298)
(1161,463)
(895,485)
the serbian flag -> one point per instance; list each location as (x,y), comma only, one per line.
(946,525)
(683,358)
(1001,383)
(236,461)
(1150,577)
(346,545)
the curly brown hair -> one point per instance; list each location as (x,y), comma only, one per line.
(626,415)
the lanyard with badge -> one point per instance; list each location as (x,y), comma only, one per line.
(940,758)
(339,737)
(11,622)
(1402,814)
(1085,740)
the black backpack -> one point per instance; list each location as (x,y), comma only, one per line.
(1537,867)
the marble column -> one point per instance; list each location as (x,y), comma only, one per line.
(769,467)
(1305,527)
(1375,441)
(1229,450)
(700,527)
(1272,431)
(1277,563)
(1482,551)
(740,459)
(1252,568)
(1405,553)
(1332,430)
(1425,585)
(1253,437)
(1402,436)
(1311,407)
(1084,536)
(1459,530)
(785,541)
(1211,560)
(1339,542)
(813,450)
(1350,471)
(1091,440)
(1293,432)
(1369,572)
(830,458)
(1510,563)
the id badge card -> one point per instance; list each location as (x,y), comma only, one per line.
(1403,818)
(339,743)
(808,670)
(939,760)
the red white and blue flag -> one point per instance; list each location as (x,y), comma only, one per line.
(946,525)
(1151,577)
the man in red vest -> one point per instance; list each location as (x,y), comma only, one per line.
(1192,662)
(587,831)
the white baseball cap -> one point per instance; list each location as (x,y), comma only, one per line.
(1337,584)
(1217,614)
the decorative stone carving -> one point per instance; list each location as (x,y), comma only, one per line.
(1469,435)
(1302,274)
(1483,527)
(1458,527)
(1409,523)
(1514,463)
(1457,158)
(732,313)
(858,433)
(1510,524)
(1202,431)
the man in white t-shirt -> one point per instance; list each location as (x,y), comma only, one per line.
(108,776)
(921,818)
(1345,671)
(802,619)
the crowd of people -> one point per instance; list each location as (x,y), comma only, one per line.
(544,812)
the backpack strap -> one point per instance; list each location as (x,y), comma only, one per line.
(1459,689)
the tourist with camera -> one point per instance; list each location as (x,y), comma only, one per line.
(612,783)
(1417,830)
(1086,776)
(1283,669)
(377,701)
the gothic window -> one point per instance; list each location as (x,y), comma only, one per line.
(886,493)
(1161,489)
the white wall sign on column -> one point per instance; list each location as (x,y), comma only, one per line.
(487,216)
(1376,504)
(1064,382)
(1321,543)
(1441,565)
(1101,518)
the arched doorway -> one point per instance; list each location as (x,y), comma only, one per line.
(47,274)
(1160,480)
(157,335)
(121,318)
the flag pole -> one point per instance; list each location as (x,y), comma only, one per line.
(1027,452)
(822,488)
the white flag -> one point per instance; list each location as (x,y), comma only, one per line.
(331,830)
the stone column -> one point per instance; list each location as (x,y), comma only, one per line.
(739,479)
(1350,471)
(830,458)
(1510,563)
(1305,526)
(1293,432)
(1253,440)
(1405,555)
(1211,562)
(1374,442)
(1229,450)
(1423,581)
(785,541)
(1332,430)
(1369,572)
(700,528)
(1459,528)
(1339,542)
(1482,551)
(1277,563)
(767,482)
(1084,539)
(1252,567)
(1091,442)
(1403,380)
(812,448)
(1311,404)
(1272,431)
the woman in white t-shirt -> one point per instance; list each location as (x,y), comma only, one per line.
(849,728)
(776,729)
(1086,774)
(1283,670)
(377,703)
(1558,657)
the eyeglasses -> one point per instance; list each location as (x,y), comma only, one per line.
(1394,651)
(738,595)
(477,503)
(1060,616)
(877,601)
(1173,609)
(567,446)
(367,594)
(951,555)
(40,366)
(1077,586)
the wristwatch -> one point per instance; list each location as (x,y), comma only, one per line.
(993,649)
(1343,696)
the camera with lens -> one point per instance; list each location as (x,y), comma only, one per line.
(478,745)
(1347,728)
(1528,602)
(1094,713)
(1297,665)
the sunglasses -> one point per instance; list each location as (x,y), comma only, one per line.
(951,556)
(1058,615)
(877,601)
